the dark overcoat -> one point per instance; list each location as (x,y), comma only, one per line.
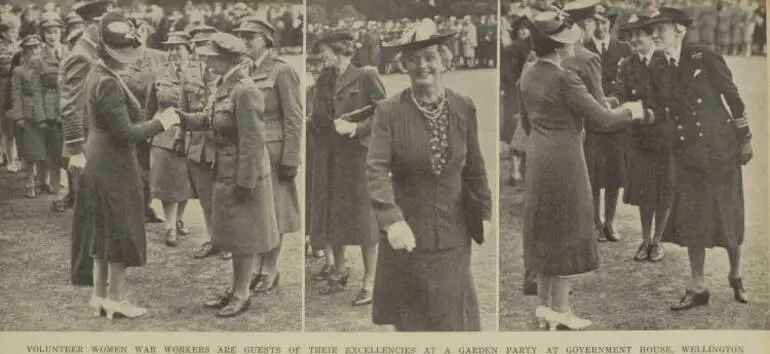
(27,107)
(341,211)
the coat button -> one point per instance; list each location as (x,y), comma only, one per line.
(679,127)
(700,100)
(694,114)
(697,124)
(681,138)
(700,135)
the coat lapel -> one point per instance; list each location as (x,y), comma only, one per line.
(346,79)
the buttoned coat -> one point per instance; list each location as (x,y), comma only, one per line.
(708,201)
(73,72)
(7,50)
(48,66)
(242,160)
(283,119)
(198,88)
(341,210)
(610,61)
(27,106)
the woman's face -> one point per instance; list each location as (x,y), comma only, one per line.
(254,42)
(217,64)
(52,35)
(32,51)
(522,32)
(424,65)
(640,41)
(328,58)
(178,53)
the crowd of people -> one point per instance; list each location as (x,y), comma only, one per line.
(595,102)
(95,116)
(475,45)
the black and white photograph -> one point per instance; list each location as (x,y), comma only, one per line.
(150,158)
(401,150)
(633,165)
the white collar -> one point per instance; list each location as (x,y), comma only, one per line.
(599,43)
(676,56)
(647,56)
(258,61)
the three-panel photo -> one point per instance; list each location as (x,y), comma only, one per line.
(383,166)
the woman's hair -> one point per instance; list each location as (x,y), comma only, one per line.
(543,45)
(443,50)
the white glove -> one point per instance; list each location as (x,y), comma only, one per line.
(167,118)
(636,108)
(400,236)
(344,127)
(78,161)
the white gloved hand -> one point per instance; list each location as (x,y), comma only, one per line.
(167,118)
(400,236)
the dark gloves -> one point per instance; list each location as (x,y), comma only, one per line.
(287,173)
(243,194)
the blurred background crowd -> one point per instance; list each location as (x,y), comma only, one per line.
(731,27)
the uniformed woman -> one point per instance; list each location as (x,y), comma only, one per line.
(283,121)
(48,64)
(169,179)
(342,213)
(425,175)
(243,218)
(28,114)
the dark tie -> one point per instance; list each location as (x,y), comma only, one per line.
(644,61)
(604,48)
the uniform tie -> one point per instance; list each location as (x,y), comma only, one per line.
(644,61)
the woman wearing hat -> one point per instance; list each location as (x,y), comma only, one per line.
(648,183)
(243,219)
(169,178)
(72,23)
(558,219)
(109,211)
(283,119)
(341,123)
(425,170)
(28,114)
(48,66)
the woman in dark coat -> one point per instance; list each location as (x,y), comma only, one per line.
(110,205)
(28,114)
(169,178)
(425,169)
(341,123)
(243,220)
(559,239)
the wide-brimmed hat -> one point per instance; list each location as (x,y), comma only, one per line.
(556,25)
(580,10)
(201,33)
(606,13)
(90,9)
(177,37)
(31,40)
(73,19)
(254,24)
(420,35)
(670,14)
(223,44)
(51,22)
(121,38)
(635,22)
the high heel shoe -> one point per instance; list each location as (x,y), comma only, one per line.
(540,316)
(557,320)
(739,292)
(123,308)
(266,282)
(96,304)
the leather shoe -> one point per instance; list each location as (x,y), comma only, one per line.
(266,282)
(692,299)
(611,234)
(739,293)
(235,307)
(364,297)
(529,287)
(656,252)
(219,301)
(600,235)
(643,252)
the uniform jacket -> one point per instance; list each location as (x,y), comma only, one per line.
(168,90)
(431,206)
(610,60)
(633,83)
(588,67)
(48,64)
(73,72)
(26,93)
(199,90)
(699,127)
(283,117)
(7,51)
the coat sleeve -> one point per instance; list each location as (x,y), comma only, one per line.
(290,97)
(474,172)
(577,97)
(17,111)
(378,168)
(73,74)
(249,106)
(151,102)
(375,91)
(112,110)
(722,78)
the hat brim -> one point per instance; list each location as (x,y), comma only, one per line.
(206,51)
(439,38)
(125,55)
(568,36)
(174,42)
(660,20)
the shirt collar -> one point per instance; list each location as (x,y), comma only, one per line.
(648,55)
(676,55)
(600,43)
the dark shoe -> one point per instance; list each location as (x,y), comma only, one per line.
(691,300)
(611,234)
(205,250)
(255,278)
(364,297)
(739,293)
(643,252)
(600,235)
(225,256)
(181,228)
(529,287)
(335,284)
(151,217)
(219,301)
(59,206)
(656,252)
(266,282)
(325,272)
(45,188)
(171,238)
(235,307)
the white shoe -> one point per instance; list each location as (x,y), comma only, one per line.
(122,308)
(96,305)
(568,320)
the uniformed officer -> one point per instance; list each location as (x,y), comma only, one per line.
(8,49)
(283,119)
(28,114)
(710,142)
(243,218)
(648,182)
(199,37)
(48,64)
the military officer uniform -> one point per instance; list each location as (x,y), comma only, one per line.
(8,49)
